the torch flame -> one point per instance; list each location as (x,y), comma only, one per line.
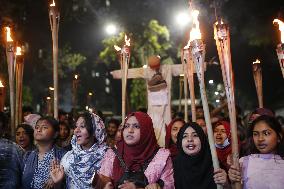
(53,4)
(127,41)
(117,48)
(257,61)
(281,28)
(195,31)
(9,38)
(1,84)
(18,51)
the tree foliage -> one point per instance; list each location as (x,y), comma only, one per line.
(68,61)
(155,39)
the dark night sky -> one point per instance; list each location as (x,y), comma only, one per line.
(252,33)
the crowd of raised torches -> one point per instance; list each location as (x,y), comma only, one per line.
(193,55)
(197,51)
(15,62)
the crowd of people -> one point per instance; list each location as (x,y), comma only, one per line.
(82,153)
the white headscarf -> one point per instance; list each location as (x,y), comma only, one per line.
(83,164)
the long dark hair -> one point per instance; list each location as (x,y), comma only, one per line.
(273,124)
(29,131)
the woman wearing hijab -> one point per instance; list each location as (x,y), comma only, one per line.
(138,162)
(171,135)
(88,149)
(193,167)
(222,136)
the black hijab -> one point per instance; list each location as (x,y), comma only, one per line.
(194,172)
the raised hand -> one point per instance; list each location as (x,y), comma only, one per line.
(57,172)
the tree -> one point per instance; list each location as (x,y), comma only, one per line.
(155,39)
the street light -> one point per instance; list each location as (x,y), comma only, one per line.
(111,29)
(182,18)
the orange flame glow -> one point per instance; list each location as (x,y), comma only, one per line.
(281,28)
(1,84)
(257,61)
(18,51)
(9,38)
(117,48)
(53,4)
(195,31)
(127,41)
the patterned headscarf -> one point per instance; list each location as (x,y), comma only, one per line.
(85,163)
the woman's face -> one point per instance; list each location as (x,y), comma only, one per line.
(111,129)
(84,139)
(175,129)
(131,131)
(220,134)
(64,132)
(22,138)
(265,138)
(44,132)
(191,143)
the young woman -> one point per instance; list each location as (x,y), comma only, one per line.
(36,172)
(64,139)
(138,162)
(222,136)
(88,149)
(25,137)
(171,135)
(264,167)
(193,167)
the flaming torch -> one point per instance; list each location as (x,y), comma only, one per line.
(198,55)
(257,75)
(280,47)
(54,17)
(11,71)
(19,84)
(124,63)
(222,37)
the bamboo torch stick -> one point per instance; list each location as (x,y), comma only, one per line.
(11,71)
(185,87)
(2,96)
(198,54)
(190,72)
(54,17)
(257,75)
(280,46)
(19,84)
(222,37)
(124,63)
